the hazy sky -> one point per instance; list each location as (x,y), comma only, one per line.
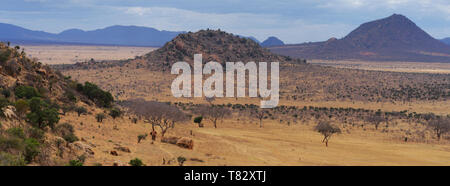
(292,21)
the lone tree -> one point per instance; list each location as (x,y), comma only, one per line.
(214,113)
(80,110)
(259,114)
(327,130)
(439,126)
(198,120)
(158,114)
(376,120)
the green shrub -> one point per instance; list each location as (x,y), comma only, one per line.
(36,133)
(3,103)
(7,159)
(136,162)
(76,163)
(6,93)
(16,131)
(8,143)
(115,112)
(31,149)
(21,106)
(41,114)
(80,110)
(27,92)
(66,131)
(94,93)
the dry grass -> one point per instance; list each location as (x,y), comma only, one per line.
(69,54)
(244,143)
(418,67)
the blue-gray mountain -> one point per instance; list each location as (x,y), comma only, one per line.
(272,41)
(395,38)
(446,40)
(114,35)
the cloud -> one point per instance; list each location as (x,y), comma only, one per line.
(261,26)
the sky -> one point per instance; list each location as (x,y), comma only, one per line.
(293,21)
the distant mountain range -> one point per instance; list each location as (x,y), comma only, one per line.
(395,38)
(446,40)
(272,41)
(114,35)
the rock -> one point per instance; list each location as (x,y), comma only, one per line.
(118,163)
(171,140)
(82,147)
(114,153)
(9,112)
(123,149)
(185,143)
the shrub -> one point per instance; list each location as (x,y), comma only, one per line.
(80,110)
(66,131)
(7,159)
(100,117)
(41,114)
(76,163)
(136,162)
(21,106)
(6,93)
(36,133)
(16,131)
(3,103)
(10,143)
(141,137)
(114,113)
(181,160)
(31,149)
(198,120)
(27,92)
(94,93)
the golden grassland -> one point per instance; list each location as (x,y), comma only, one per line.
(242,142)
(417,67)
(70,54)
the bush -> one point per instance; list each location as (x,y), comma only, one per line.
(21,106)
(66,131)
(36,133)
(16,131)
(3,103)
(10,143)
(94,93)
(27,92)
(114,113)
(7,159)
(100,117)
(31,149)
(6,93)
(80,110)
(136,162)
(76,163)
(41,114)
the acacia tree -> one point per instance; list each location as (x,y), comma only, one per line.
(375,120)
(327,130)
(214,113)
(158,114)
(439,126)
(259,114)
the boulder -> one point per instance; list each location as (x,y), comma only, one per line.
(123,149)
(185,143)
(171,139)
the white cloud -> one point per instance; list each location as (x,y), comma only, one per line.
(261,26)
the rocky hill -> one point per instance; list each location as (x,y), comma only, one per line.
(395,38)
(33,99)
(215,45)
